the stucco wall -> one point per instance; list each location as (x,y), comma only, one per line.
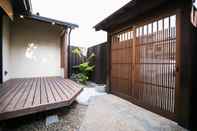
(35,49)
(6,48)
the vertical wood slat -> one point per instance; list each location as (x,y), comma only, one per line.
(121,60)
(153,62)
(163,65)
(134,57)
(163,39)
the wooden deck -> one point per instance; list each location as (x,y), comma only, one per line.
(19,97)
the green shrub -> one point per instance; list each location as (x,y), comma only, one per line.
(84,69)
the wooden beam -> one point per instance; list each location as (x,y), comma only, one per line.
(184,64)
(64,53)
(108,81)
(1,47)
(7,7)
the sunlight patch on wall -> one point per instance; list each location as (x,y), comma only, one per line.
(30,51)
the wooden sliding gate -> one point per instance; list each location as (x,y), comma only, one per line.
(143,65)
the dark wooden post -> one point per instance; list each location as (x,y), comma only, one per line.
(69,51)
(64,53)
(1,46)
(193,108)
(183,85)
(108,63)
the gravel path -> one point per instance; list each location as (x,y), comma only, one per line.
(70,119)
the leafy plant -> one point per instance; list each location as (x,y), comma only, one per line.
(84,69)
(81,78)
(77,51)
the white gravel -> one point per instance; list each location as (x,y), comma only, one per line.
(70,119)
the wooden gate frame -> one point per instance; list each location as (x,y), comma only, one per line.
(176,12)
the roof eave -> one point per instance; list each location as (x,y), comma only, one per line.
(135,7)
(49,20)
(22,7)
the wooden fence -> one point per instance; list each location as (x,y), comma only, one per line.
(74,60)
(99,74)
(143,65)
(100,71)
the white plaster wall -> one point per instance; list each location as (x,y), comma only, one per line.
(6,48)
(35,49)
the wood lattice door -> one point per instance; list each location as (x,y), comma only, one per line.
(143,65)
(121,61)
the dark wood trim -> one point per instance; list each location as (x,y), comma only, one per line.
(178,62)
(145,20)
(193,107)
(1,46)
(69,51)
(184,69)
(133,59)
(108,81)
(128,12)
(64,53)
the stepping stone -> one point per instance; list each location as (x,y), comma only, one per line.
(51,120)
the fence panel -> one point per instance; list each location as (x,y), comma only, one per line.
(74,60)
(100,62)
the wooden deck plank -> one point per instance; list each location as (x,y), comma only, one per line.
(37,98)
(8,85)
(10,91)
(70,85)
(59,89)
(44,95)
(5,102)
(27,96)
(30,97)
(51,98)
(67,87)
(56,95)
(18,96)
(7,92)
(64,89)
(23,99)
(73,85)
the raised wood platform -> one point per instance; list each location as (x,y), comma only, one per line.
(19,97)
